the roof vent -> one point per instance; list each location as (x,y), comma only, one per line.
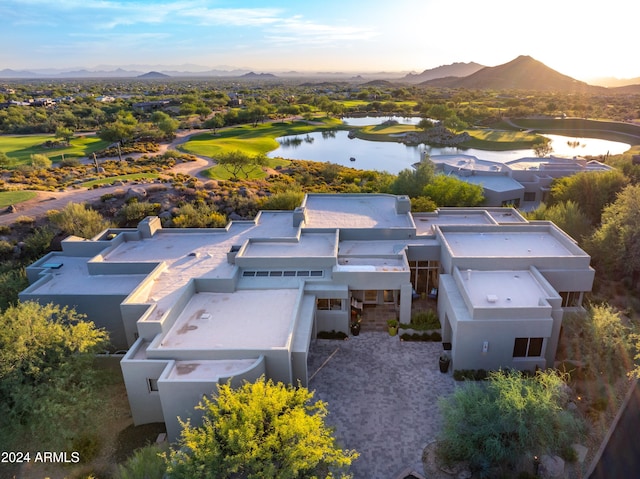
(492,298)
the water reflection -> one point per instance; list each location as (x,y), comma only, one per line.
(336,147)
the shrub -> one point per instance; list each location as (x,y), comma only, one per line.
(145,463)
(70,162)
(132,213)
(508,416)
(423,320)
(87,445)
(200,216)
(37,243)
(76,219)
(287,200)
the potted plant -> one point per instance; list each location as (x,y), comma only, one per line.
(444,362)
(392,324)
(355,325)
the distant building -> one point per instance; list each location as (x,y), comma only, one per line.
(198,307)
(516,182)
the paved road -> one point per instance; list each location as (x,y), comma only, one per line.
(621,456)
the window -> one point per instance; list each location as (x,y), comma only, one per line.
(527,347)
(529,196)
(152,384)
(570,299)
(326,304)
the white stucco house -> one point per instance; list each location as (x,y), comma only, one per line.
(198,307)
(524,182)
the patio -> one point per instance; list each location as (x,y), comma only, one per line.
(382,395)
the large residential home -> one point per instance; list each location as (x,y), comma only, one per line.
(524,182)
(199,307)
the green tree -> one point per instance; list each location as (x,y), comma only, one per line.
(615,245)
(236,163)
(47,383)
(215,122)
(76,219)
(542,148)
(165,123)
(260,430)
(592,191)
(412,181)
(567,215)
(511,414)
(64,133)
(40,161)
(450,191)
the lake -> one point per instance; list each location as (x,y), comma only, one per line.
(336,147)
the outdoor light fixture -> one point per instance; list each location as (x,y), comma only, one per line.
(485,346)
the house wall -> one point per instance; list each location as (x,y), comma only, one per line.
(102,309)
(468,335)
(180,397)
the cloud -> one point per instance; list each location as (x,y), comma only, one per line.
(300,31)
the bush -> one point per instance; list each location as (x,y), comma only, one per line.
(37,243)
(200,216)
(78,220)
(424,320)
(145,463)
(287,200)
(511,414)
(70,162)
(132,213)
(87,445)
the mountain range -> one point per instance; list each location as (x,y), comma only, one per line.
(522,73)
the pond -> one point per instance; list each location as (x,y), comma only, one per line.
(336,147)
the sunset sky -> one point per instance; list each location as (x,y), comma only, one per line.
(584,39)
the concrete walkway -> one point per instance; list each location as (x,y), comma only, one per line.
(382,395)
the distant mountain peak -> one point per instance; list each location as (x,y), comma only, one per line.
(153,75)
(457,69)
(521,73)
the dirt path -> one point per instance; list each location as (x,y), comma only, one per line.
(54,200)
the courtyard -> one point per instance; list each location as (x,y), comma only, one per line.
(382,395)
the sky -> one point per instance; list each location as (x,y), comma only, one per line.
(584,39)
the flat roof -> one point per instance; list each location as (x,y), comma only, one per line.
(503,289)
(354,211)
(73,278)
(244,319)
(370,264)
(426,221)
(365,248)
(498,183)
(467,162)
(506,244)
(309,245)
(210,369)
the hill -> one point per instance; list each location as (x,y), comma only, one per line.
(443,71)
(153,75)
(523,73)
(261,76)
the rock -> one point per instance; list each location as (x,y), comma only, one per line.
(551,467)
(11,209)
(235,216)
(165,216)
(581,452)
(136,192)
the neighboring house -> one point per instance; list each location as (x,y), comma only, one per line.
(197,307)
(522,182)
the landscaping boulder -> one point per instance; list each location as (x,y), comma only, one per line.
(551,467)
(136,192)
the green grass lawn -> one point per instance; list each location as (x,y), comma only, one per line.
(383,132)
(252,141)
(581,127)
(111,179)
(500,140)
(21,147)
(14,197)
